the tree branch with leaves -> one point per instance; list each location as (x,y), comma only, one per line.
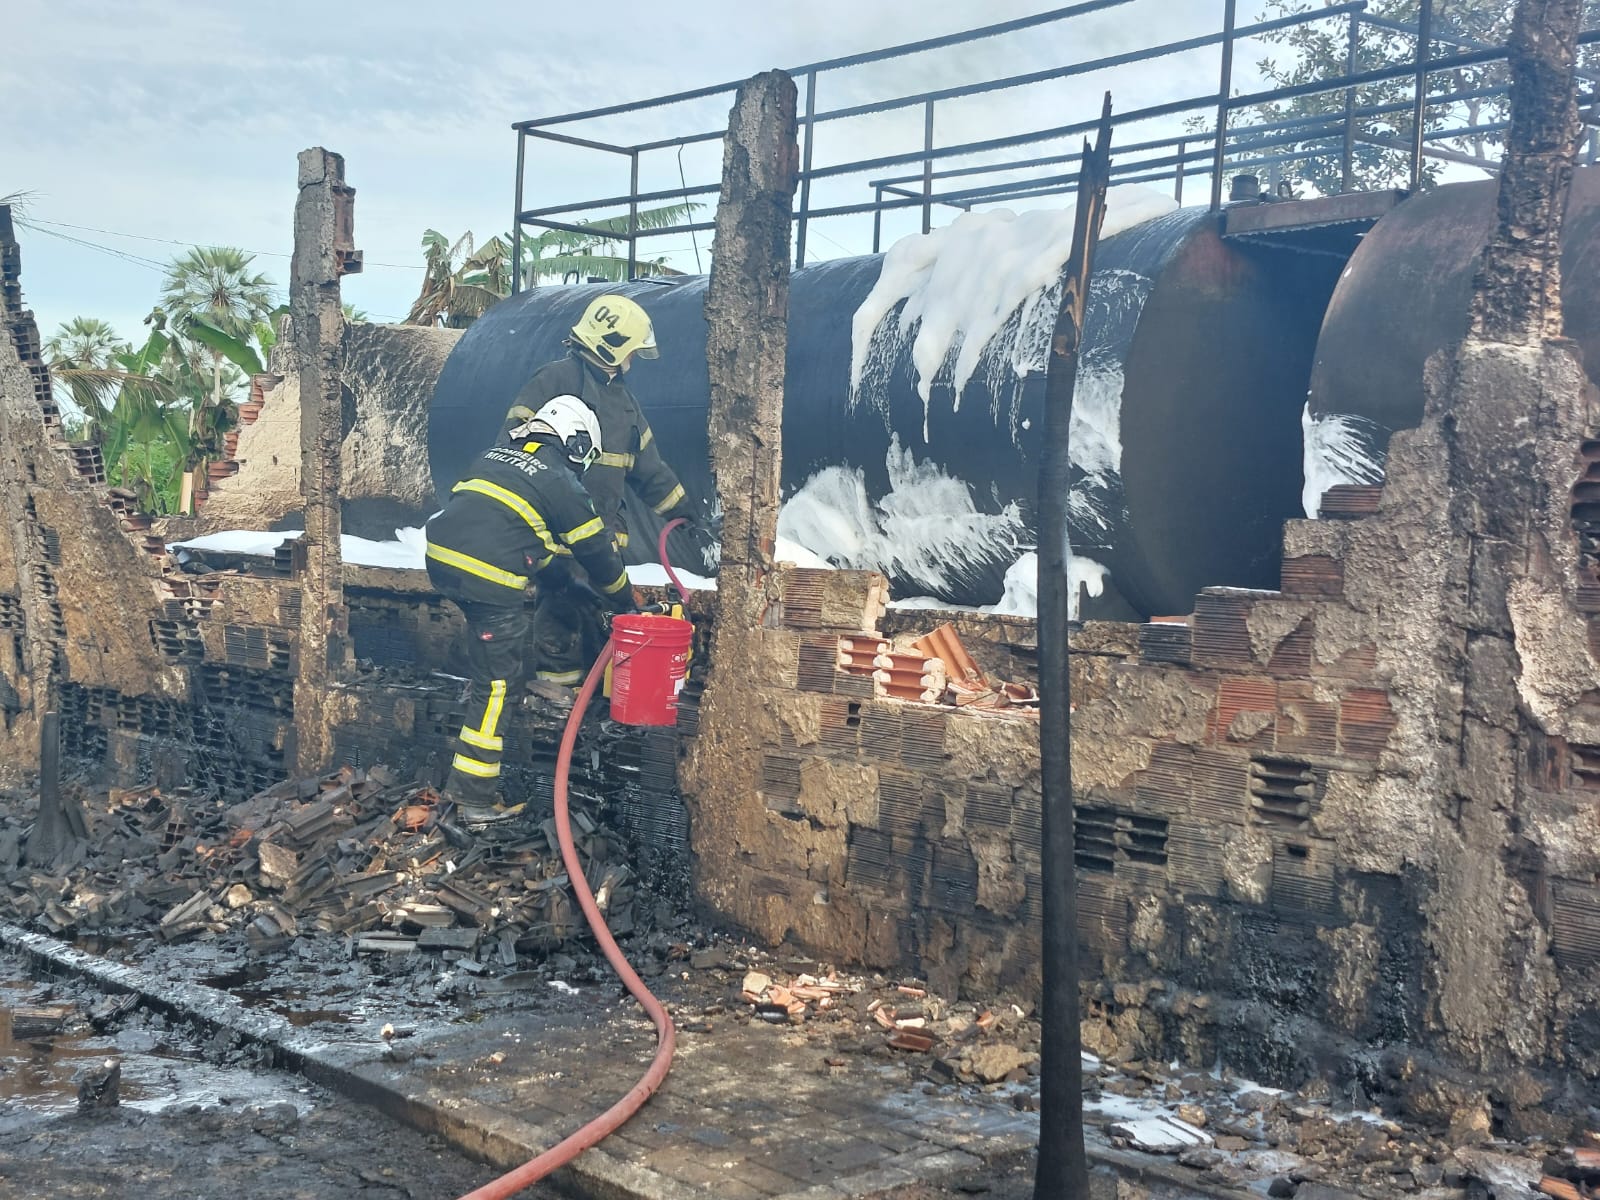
(462,280)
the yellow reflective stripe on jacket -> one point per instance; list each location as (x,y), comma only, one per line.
(669,500)
(614,588)
(476,566)
(587,530)
(622,538)
(644,438)
(608,459)
(471,766)
(566,678)
(507,497)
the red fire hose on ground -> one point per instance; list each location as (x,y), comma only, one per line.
(607,1122)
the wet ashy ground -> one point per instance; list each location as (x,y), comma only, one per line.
(405,990)
(817,1104)
(198,1117)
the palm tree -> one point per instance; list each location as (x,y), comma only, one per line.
(212,287)
(77,354)
(83,342)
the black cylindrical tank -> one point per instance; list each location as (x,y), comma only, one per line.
(1187,421)
(1406,295)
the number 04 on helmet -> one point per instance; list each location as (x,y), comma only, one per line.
(613,329)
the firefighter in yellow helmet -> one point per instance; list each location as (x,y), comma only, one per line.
(610,334)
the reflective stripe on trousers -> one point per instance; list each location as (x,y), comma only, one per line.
(481,742)
(494,640)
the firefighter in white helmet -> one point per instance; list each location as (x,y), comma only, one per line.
(610,334)
(520,510)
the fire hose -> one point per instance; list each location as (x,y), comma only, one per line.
(609,1121)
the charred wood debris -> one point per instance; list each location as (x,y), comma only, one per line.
(359,854)
(363,856)
(367,858)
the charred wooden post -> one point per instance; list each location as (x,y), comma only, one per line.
(1519,282)
(59,826)
(1063,1169)
(747,314)
(747,309)
(323,252)
(1512,410)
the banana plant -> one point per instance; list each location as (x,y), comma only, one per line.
(462,279)
(555,255)
(132,404)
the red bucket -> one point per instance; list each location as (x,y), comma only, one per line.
(650,658)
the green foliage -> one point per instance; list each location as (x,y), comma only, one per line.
(266,330)
(1318,51)
(158,410)
(554,255)
(462,280)
(133,404)
(83,342)
(216,303)
(236,350)
(214,284)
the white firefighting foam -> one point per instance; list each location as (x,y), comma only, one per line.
(1021,598)
(851,524)
(405,553)
(975,292)
(925,530)
(1339,448)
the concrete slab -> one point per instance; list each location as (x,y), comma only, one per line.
(749,1111)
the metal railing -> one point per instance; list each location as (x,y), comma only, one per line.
(1191,153)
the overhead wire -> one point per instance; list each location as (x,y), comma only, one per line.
(145,237)
(136,259)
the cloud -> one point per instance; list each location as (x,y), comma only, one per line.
(182,122)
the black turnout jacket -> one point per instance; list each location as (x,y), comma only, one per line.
(630,454)
(518,510)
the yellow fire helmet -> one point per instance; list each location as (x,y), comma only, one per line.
(613,328)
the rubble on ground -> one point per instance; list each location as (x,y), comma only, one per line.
(1223,1131)
(362,867)
(357,854)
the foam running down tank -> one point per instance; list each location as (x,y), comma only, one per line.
(911,443)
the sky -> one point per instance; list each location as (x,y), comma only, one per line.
(142,127)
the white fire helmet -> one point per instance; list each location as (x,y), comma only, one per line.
(575,426)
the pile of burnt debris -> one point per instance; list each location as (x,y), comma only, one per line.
(1574,1174)
(1321,1141)
(358,854)
(965,1042)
